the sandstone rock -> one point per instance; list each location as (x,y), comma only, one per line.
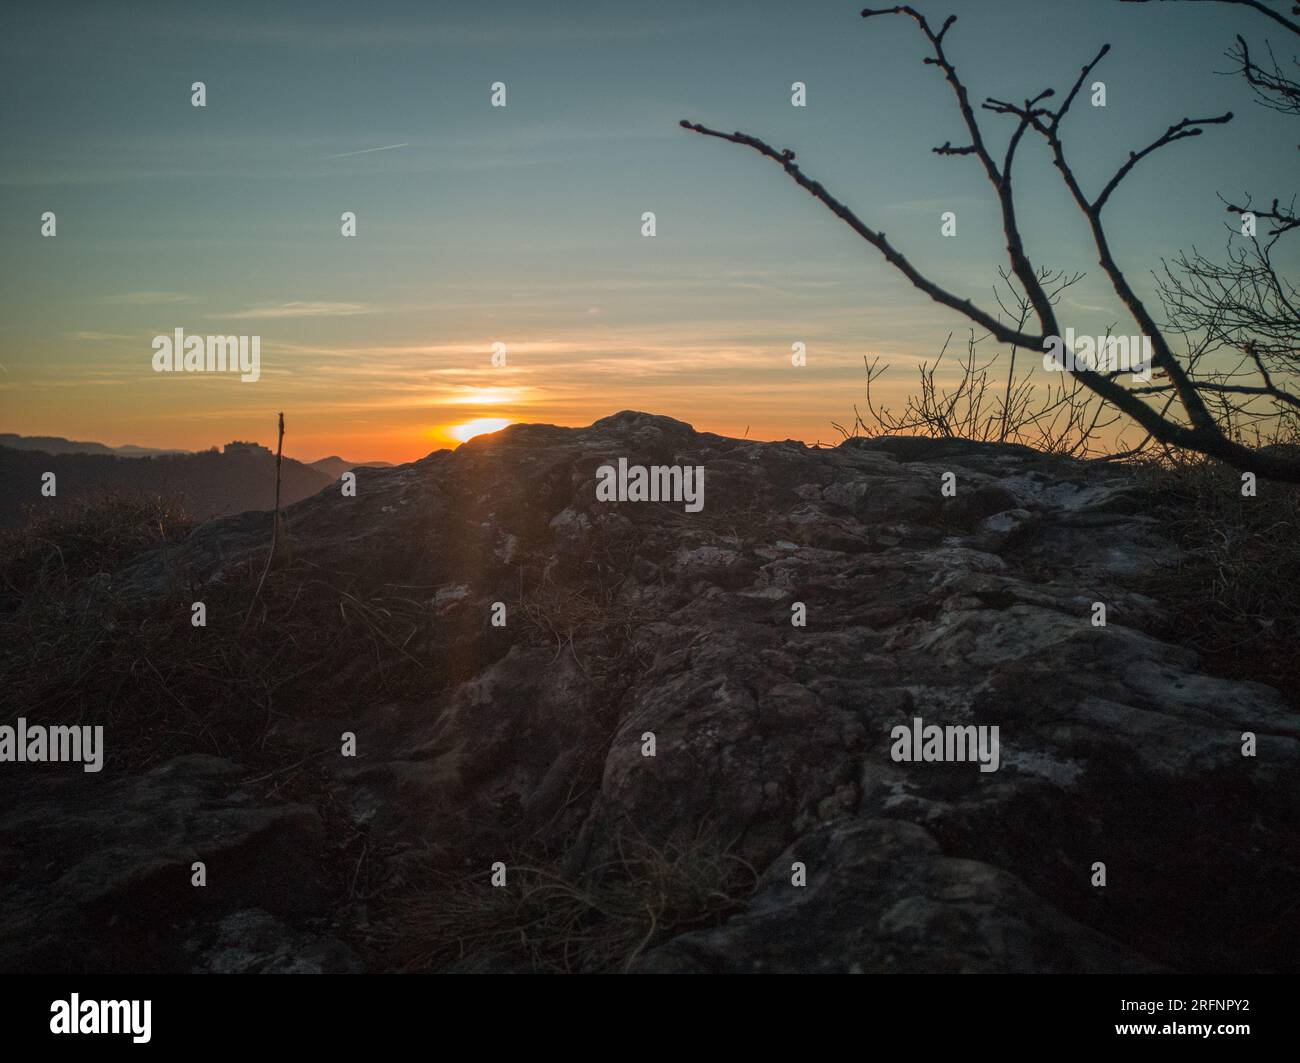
(632,618)
(884,893)
(97,876)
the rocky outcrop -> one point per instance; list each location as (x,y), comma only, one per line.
(102,876)
(625,620)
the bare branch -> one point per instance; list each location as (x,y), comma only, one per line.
(1000,179)
(1078,84)
(1188,127)
(877,240)
(1276,16)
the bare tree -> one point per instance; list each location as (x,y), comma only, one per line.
(1017,306)
(1275,87)
(1063,418)
(1244,306)
(1187,421)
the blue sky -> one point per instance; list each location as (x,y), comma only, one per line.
(522,224)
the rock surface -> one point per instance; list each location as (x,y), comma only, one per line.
(99,877)
(635,618)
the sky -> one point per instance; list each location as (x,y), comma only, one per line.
(522,224)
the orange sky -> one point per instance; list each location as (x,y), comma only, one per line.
(523,224)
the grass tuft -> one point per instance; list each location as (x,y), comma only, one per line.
(545,919)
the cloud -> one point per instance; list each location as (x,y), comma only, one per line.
(1080,305)
(424,34)
(149,299)
(367,151)
(298,309)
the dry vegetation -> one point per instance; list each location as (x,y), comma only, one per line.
(73,650)
(1235,594)
(546,919)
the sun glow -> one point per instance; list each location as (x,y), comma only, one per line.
(476,396)
(481,426)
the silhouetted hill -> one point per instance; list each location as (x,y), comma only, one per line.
(334,466)
(59,445)
(208,484)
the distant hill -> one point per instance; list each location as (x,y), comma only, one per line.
(208,483)
(334,466)
(59,445)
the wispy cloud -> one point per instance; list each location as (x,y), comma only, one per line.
(149,299)
(260,156)
(1078,304)
(366,151)
(297,309)
(98,337)
(426,33)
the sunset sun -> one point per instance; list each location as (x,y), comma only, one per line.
(481,426)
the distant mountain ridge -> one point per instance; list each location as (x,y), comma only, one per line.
(207,484)
(59,445)
(332,466)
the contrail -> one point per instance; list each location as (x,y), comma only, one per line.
(367,151)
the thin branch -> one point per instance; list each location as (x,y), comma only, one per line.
(877,240)
(275,526)
(1263,9)
(1188,127)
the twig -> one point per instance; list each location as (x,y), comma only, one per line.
(275,526)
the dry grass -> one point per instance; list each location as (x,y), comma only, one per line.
(1235,593)
(73,651)
(601,920)
(561,615)
(61,544)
